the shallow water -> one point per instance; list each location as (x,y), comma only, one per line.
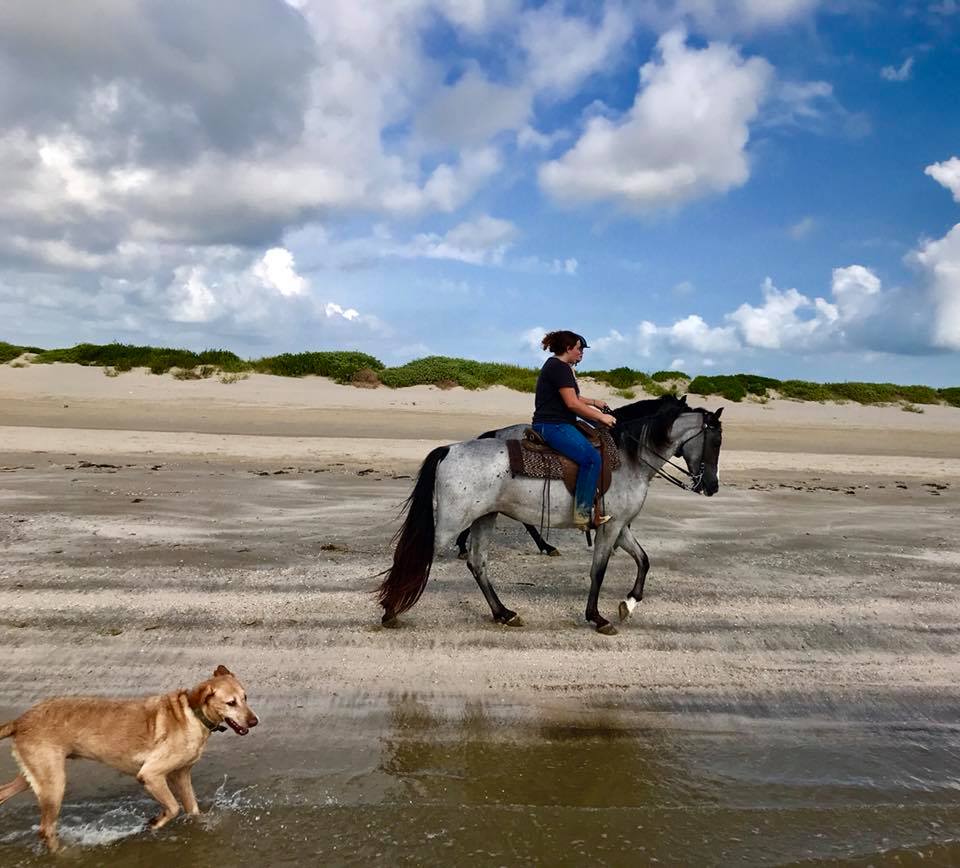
(428,781)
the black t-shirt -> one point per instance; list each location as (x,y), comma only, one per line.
(549,407)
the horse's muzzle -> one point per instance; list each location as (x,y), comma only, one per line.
(707,484)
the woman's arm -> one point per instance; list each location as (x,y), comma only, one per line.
(583,409)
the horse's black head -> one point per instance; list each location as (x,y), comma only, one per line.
(705,465)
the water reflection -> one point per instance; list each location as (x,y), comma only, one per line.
(620,786)
(481,756)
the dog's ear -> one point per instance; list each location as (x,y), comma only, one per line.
(221,670)
(199,695)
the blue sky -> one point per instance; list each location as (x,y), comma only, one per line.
(769,186)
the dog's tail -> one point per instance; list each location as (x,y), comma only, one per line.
(8,729)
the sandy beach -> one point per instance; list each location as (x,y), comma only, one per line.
(153,528)
(263,508)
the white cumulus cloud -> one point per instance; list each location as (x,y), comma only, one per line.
(479,242)
(334,310)
(276,270)
(562,50)
(941,260)
(684,137)
(693,333)
(193,300)
(947,173)
(854,288)
(531,339)
(473,109)
(776,323)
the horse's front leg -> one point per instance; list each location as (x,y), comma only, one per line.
(628,542)
(602,549)
(480,533)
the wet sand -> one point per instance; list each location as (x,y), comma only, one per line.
(796,648)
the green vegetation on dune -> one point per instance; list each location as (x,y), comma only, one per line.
(626,378)
(9,352)
(126,357)
(736,387)
(951,395)
(443,370)
(339,366)
(365,370)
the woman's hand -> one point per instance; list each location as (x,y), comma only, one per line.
(607,419)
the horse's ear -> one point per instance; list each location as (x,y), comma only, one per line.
(717,414)
(221,670)
(683,399)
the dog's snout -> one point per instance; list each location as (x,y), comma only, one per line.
(253,720)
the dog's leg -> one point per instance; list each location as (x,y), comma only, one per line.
(47,775)
(155,783)
(182,787)
(17,785)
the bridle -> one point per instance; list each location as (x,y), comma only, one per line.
(696,479)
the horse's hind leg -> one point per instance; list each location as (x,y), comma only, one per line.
(628,542)
(480,533)
(542,544)
(462,544)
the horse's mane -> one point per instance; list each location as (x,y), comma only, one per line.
(647,423)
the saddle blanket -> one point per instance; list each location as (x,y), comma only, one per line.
(541,463)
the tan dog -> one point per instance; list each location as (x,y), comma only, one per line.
(158,739)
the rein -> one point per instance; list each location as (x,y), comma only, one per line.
(696,479)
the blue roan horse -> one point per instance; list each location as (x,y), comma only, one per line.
(466,484)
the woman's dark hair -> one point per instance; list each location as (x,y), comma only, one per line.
(561,341)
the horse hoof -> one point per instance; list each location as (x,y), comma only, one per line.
(607,629)
(624,610)
(513,621)
(553,553)
(389,620)
(462,556)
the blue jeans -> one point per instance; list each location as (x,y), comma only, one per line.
(567,440)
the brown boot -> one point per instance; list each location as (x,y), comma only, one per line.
(585,522)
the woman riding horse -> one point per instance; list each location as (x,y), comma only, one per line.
(557,405)
(468,484)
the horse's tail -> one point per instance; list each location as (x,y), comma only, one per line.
(413,555)
(8,729)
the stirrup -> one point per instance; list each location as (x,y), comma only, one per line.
(587,524)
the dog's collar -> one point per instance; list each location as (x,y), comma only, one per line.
(213,727)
